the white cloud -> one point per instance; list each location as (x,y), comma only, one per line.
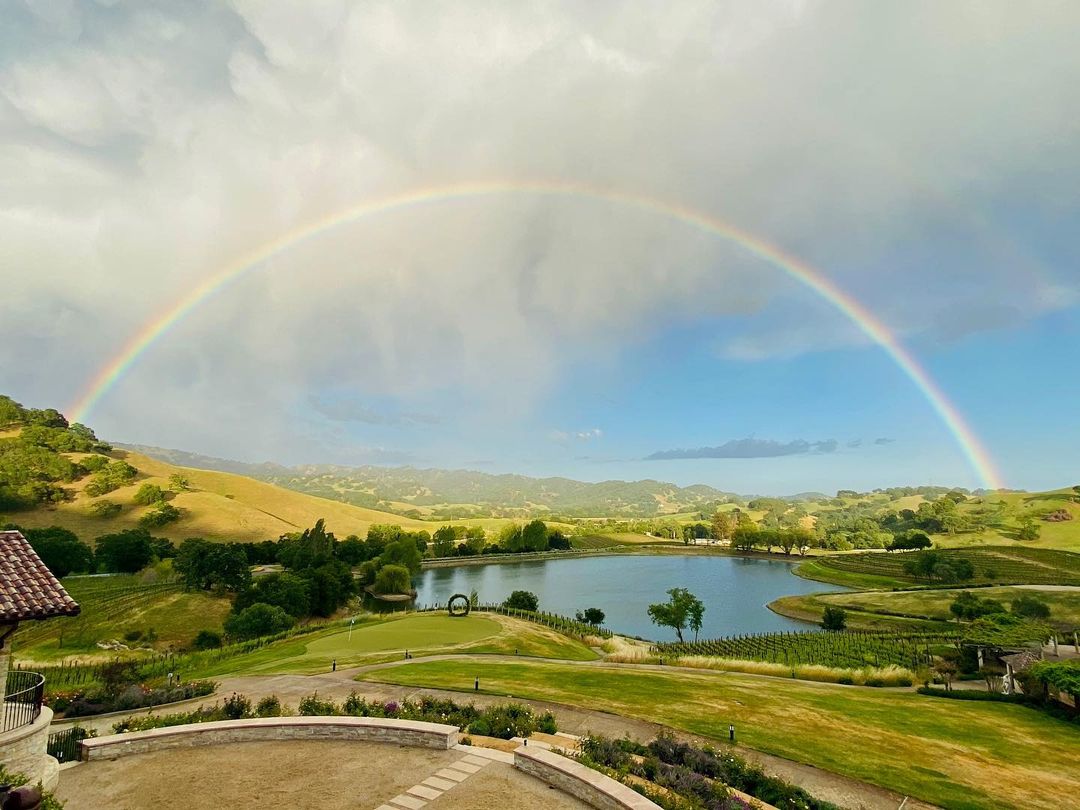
(144,148)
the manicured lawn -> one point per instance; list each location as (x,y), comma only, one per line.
(956,754)
(378,640)
(414,631)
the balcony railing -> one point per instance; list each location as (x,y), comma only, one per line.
(22,699)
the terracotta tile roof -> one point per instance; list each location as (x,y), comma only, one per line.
(1021,661)
(28,590)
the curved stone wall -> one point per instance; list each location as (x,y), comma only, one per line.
(23,750)
(592,787)
(370,729)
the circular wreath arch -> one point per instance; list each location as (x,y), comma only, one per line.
(459,605)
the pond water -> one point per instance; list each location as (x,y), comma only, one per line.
(735,590)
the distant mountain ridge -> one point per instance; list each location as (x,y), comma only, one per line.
(463,493)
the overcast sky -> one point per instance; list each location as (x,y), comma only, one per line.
(925,157)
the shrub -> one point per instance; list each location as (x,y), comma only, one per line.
(204,714)
(974,694)
(207,640)
(311,706)
(546,723)
(593,616)
(522,600)
(133,635)
(105,509)
(1030,607)
(505,721)
(392,579)
(149,493)
(161,515)
(112,475)
(94,463)
(269,706)
(48,801)
(236,707)
(834,618)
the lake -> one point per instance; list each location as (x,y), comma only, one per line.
(735,590)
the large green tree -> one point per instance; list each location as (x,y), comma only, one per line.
(257,620)
(402,552)
(61,550)
(722,525)
(285,590)
(534,536)
(677,613)
(311,548)
(331,584)
(124,552)
(444,541)
(204,565)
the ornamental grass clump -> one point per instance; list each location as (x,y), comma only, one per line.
(866,676)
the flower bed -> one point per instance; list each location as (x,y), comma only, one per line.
(503,721)
(133,696)
(699,777)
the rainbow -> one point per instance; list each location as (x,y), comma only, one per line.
(155,328)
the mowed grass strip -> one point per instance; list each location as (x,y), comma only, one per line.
(966,755)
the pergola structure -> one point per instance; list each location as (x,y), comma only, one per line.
(28,592)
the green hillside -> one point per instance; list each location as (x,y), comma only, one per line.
(55,474)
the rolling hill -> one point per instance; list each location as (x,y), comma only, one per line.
(217,506)
(447,494)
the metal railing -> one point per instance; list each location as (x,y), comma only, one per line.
(22,698)
(64,745)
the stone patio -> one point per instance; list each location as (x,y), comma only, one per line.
(301,773)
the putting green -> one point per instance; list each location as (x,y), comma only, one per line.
(415,632)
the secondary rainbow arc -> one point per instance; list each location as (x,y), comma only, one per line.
(154,329)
